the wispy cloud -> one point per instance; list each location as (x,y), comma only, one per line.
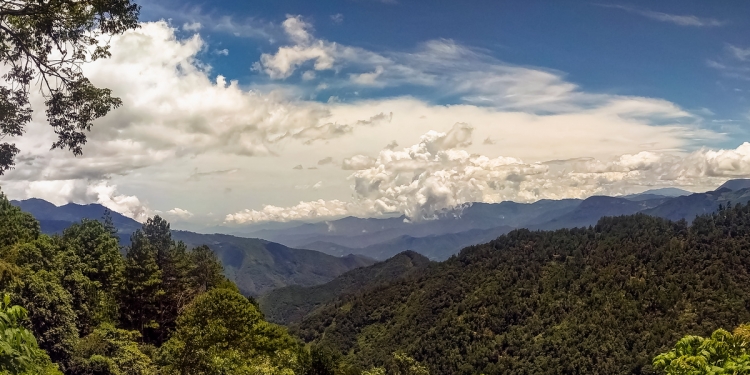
(742,54)
(677,19)
(734,63)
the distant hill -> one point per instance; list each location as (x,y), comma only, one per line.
(690,206)
(52,218)
(737,184)
(594,208)
(435,247)
(256,266)
(290,304)
(599,300)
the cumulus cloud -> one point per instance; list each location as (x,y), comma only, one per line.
(437,175)
(337,18)
(469,74)
(179,213)
(303,211)
(61,192)
(222,52)
(173,109)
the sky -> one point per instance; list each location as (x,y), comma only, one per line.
(237,113)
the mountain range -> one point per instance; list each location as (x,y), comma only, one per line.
(481,222)
(255,265)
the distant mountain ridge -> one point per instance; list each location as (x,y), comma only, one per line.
(256,266)
(381,238)
(439,239)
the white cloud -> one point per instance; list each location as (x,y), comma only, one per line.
(179,213)
(337,18)
(177,121)
(677,19)
(303,211)
(437,174)
(308,75)
(61,192)
(742,54)
(191,26)
(222,52)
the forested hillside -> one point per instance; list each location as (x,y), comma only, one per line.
(256,266)
(73,303)
(605,299)
(290,304)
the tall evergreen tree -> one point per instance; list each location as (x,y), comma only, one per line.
(206,270)
(142,288)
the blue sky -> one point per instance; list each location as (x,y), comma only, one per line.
(237,113)
(622,48)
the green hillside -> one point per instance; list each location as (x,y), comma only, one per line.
(258,266)
(602,300)
(290,304)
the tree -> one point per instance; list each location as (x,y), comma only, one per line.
(221,332)
(46,43)
(172,259)
(51,315)
(723,353)
(94,270)
(206,272)
(111,351)
(15,225)
(19,351)
(141,290)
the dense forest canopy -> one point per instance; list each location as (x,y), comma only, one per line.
(603,299)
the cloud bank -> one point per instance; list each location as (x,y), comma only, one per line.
(436,175)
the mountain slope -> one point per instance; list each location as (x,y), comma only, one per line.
(602,300)
(258,266)
(690,206)
(255,265)
(290,304)
(51,217)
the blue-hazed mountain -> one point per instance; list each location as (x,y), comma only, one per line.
(256,266)
(381,238)
(478,223)
(53,219)
(436,247)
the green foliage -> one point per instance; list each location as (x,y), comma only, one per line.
(142,289)
(221,332)
(207,272)
(19,351)
(604,299)
(161,278)
(723,353)
(399,364)
(290,304)
(15,226)
(45,43)
(51,315)
(111,351)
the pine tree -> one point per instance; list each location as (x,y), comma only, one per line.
(142,289)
